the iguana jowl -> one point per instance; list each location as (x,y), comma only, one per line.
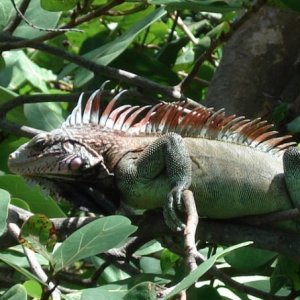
(235,167)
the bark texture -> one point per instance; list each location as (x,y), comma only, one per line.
(260,65)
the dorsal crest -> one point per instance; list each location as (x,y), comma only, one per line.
(177,117)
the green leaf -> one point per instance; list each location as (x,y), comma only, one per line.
(142,291)
(2,62)
(186,58)
(22,69)
(7,11)
(34,13)
(103,294)
(292,4)
(33,288)
(202,269)
(150,265)
(93,238)
(16,115)
(58,5)
(39,17)
(249,259)
(218,6)
(38,233)
(15,255)
(4,202)
(17,187)
(10,144)
(285,271)
(144,63)
(20,203)
(108,52)
(204,292)
(46,116)
(168,260)
(17,292)
(294,126)
(149,248)
(285,4)
(21,270)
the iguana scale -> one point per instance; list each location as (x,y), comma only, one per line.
(234,166)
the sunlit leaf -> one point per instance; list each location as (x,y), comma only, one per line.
(45,116)
(249,258)
(102,294)
(39,234)
(24,69)
(33,288)
(142,291)
(192,277)
(58,5)
(38,17)
(204,292)
(108,52)
(218,6)
(16,292)
(4,202)
(21,270)
(93,238)
(17,187)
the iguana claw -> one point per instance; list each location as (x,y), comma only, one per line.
(173,203)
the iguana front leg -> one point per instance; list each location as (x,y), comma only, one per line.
(168,156)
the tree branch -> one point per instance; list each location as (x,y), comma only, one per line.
(18,130)
(259,62)
(151,225)
(97,69)
(34,264)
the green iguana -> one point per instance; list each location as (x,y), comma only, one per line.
(234,167)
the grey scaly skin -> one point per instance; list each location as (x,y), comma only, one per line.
(233,166)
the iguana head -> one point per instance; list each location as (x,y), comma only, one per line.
(57,155)
(64,167)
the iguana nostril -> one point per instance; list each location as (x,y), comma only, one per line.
(11,156)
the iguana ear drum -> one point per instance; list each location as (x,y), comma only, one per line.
(75,164)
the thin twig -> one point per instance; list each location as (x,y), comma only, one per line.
(38,98)
(14,23)
(171,34)
(34,264)
(21,15)
(184,28)
(18,130)
(73,23)
(190,248)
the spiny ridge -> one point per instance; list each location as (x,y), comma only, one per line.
(176,117)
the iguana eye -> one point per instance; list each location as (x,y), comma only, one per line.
(68,146)
(38,144)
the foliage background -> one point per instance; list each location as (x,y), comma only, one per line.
(241,55)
